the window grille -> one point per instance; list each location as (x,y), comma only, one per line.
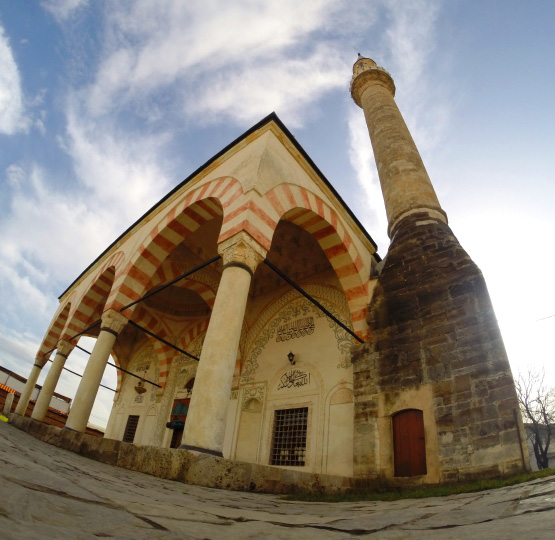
(130,428)
(289,442)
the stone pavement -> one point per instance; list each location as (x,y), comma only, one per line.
(47,492)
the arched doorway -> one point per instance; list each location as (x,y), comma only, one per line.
(409,444)
(179,415)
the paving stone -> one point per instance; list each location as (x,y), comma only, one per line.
(48,492)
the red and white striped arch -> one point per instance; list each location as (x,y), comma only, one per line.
(192,333)
(303,208)
(52,337)
(166,354)
(91,305)
(201,205)
(168,270)
(146,320)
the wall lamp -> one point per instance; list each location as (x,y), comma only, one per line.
(291,358)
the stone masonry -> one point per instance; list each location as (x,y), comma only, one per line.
(433,325)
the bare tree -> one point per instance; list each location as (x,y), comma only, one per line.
(537,404)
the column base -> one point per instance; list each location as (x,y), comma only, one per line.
(202,450)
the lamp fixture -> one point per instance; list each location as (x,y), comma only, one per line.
(291,358)
(140,388)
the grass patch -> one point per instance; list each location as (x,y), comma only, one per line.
(442,490)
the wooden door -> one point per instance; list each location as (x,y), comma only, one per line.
(409,445)
(179,412)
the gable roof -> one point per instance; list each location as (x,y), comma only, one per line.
(272,117)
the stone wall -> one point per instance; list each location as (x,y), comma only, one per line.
(434,336)
(190,467)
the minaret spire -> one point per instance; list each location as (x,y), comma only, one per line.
(405,184)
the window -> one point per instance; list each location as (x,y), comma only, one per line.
(130,428)
(289,442)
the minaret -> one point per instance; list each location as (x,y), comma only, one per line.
(405,184)
(434,394)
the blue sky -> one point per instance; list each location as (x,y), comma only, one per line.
(105,106)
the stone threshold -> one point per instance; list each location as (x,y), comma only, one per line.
(190,467)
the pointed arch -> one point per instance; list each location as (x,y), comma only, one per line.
(91,306)
(200,206)
(200,282)
(166,354)
(54,332)
(300,206)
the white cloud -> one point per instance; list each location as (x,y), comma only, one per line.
(242,59)
(63,9)
(122,170)
(42,230)
(247,94)
(410,37)
(363,163)
(50,235)
(18,350)
(411,46)
(15,175)
(12,113)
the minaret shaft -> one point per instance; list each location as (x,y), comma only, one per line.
(405,184)
(435,349)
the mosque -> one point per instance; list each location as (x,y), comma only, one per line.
(251,317)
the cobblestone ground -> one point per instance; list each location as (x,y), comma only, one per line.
(46,492)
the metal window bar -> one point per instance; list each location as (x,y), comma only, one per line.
(289,441)
(131,428)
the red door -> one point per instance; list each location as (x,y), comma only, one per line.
(409,445)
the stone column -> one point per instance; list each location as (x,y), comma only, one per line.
(405,184)
(205,426)
(43,401)
(25,396)
(112,324)
(8,404)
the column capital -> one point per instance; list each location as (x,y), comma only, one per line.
(64,348)
(40,361)
(365,73)
(113,321)
(242,250)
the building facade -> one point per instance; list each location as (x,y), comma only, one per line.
(255,320)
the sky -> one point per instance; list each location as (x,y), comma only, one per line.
(106,106)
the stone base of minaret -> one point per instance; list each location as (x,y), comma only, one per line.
(436,353)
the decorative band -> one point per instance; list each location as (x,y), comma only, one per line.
(239,265)
(109,330)
(203,450)
(37,365)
